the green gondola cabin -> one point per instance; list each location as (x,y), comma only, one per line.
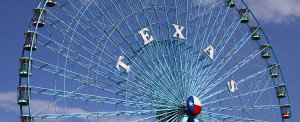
(26,118)
(231,3)
(266,51)
(255,32)
(244,15)
(281,90)
(274,70)
(36,15)
(24,67)
(285,111)
(50,3)
(30,37)
(23,96)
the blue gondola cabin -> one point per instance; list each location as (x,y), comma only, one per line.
(37,21)
(255,30)
(24,67)
(50,3)
(274,70)
(26,118)
(285,111)
(23,96)
(266,51)
(244,15)
(281,91)
(231,3)
(30,37)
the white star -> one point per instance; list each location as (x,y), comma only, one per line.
(191,103)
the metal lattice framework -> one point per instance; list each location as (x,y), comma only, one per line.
(139,60)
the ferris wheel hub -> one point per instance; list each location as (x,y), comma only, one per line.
(193,105)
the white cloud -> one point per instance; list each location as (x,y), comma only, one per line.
(8,102)
(275,11)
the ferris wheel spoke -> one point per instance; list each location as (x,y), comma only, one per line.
(109,19)
(236,108)
(245,108)
(244,76)
(104,85)
(205,73)
(100,99)
(229,55)
(102,114)
(148,66)
(227,34)
(189,59)
(241,95)
(218,28)
(136,37)
(174,44)
(223,63)
(203,24)
(166,116)
(206,24)
(229,117)
(169,59)
(238,82)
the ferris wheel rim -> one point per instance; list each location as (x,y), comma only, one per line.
(201,21)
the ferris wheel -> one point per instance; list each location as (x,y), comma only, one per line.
(149,60)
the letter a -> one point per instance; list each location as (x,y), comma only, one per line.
(122,64)
(232,86)
(178,31)
(145,35)
(210,52)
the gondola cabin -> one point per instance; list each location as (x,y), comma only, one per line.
(244,15)
(255,32)
(24,67)
(281,91)
(30,37)
(266,51)
(274,70)
(26,118)
(50,3)
(37,12)
(23,96)
(231,3)
(285,111)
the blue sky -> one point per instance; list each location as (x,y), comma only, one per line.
(279,19)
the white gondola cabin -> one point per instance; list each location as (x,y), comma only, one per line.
(274,70)
(231,3)
(30,37)
(256,32)
(281,91)
(36,15)
(285,111)
(50,3)
(266,51)
(23,96)
(244,15)
(24,67)
(26,118)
